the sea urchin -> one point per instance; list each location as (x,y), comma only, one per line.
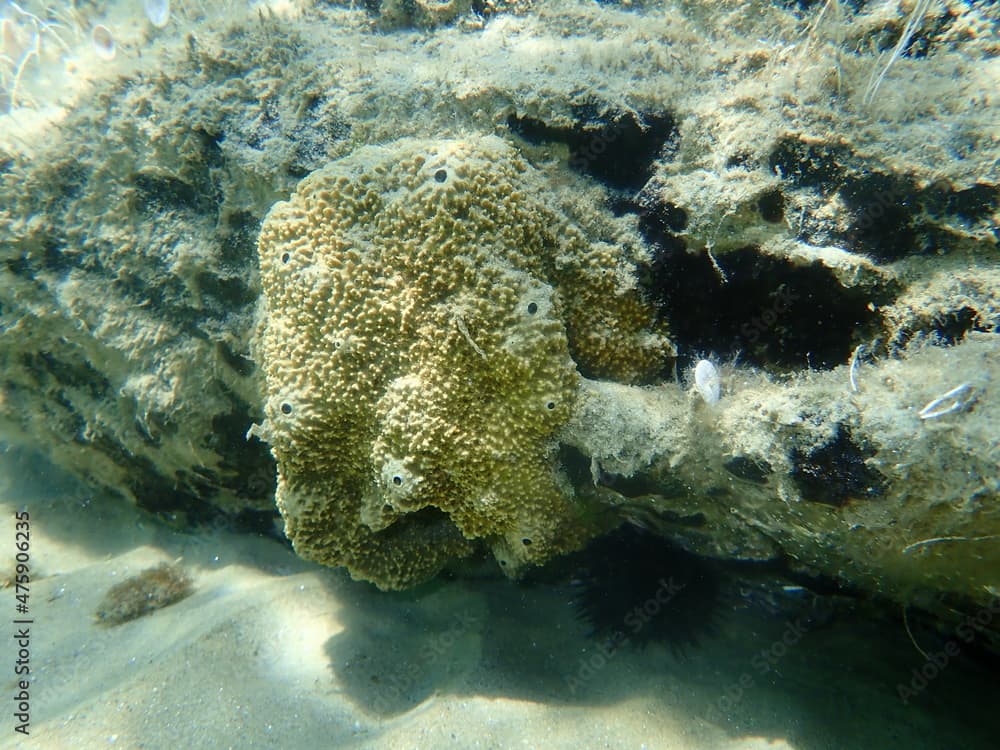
(635,586)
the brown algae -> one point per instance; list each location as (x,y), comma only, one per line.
(150,590)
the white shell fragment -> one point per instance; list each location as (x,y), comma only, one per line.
(104,42)
(157,11)
(707,381)
(957,399)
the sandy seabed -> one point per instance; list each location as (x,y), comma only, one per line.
(270,651)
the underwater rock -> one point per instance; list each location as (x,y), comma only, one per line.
(853,476)
(833,254)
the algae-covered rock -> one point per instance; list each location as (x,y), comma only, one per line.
(806,236)
(881,476)
(421,306)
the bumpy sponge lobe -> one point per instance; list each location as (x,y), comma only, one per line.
(416,336)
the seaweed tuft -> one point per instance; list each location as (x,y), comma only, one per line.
(140,595)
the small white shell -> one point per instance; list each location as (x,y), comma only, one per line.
(104,42)
(157,11)
(707,381)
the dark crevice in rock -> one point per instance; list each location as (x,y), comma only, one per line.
(80,375)
(154,492)
(945,329)
(240,362)
(749,469)
(888,213)
(616,149)
(261,522)
(237,241)
(768,312)
(156,193)
(248,464)
(224,293)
